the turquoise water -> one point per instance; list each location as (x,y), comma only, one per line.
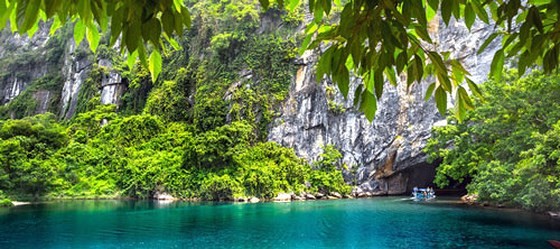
(372,223)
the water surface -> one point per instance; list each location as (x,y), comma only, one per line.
(371,223)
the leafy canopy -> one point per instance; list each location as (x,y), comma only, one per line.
(376,40)
(139,24)
(508,148)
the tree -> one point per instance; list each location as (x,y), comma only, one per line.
(508,148)
(374,39)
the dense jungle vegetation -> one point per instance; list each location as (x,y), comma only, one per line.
(198,132)
(508,148)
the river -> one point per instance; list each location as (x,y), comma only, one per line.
(389,222)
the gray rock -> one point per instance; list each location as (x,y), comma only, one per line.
(336,194)
(75,66)
(282,197)
(163,196)
(298,198)
(310,197)
(387,153)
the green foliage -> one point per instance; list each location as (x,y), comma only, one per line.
(90,89)
(216,148)
(379,41)
(268,169)
(25,144)
(327,177)
(508,144)
(169,101)
(375,40)
(219,187)
(4,200)
(136,24)
(196,132)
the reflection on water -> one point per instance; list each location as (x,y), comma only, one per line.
(373,223)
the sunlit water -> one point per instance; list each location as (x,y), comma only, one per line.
(372,223)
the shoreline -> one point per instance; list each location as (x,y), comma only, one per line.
(448,200)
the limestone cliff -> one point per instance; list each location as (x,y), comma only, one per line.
(384,156)
(47,73)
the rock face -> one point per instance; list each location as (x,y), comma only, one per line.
(18,70)
(27,60)
(75,71)
(384,156)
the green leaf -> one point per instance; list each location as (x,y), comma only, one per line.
(536,19)
(264,4)
(434,4)
(464,103)
(318,13)
(357,94)
(487,42)
(173,43)
(402,61)
(153,29)
(474,88)
(178,4)
(368,105)
(292,5)
(131,60)
(422,32)
(391,75)
(132,36)
(84,10)
(178,21)
(186,17)
(480,11)
(461,112)
(441,100)
(470,15)
(430,13)
(497,65)
(116,25)
(369,81)
(378,82)
(304,44)
(444,81)
(168,22)
(324,64)
(437,61)
(5,12)
(79,31)
(155,64)
(465,97)
(92,36)
(446,6)
(419,67)
(28,16)
(342,79)
(430,91)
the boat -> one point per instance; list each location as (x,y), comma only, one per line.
(423,194)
